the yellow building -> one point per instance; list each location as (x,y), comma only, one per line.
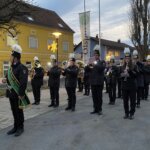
(35,34)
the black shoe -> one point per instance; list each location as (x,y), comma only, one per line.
(12,131)
(93,112)
(37,103)
(100,113)
(68,108)
(19,132)
(51,105)
(126,116)
(84,94)
(138,106)
(73,109)
(131,117)
(113,103)
(34,103)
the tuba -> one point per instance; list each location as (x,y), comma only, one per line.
(81,65)
(32,73)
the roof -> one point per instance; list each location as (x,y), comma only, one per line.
(44,17)
(112,43)
(109,43)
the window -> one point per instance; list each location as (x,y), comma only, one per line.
(5,67)
(33,42)
(117,53)
(30,18)
(113,52)
(60,25)
(49,42)
(65,46)
(11,40)
(29,65)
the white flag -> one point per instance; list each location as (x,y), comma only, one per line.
(85,31)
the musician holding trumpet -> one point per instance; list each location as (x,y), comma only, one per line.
(71,74)
(128,76)
(97,81)
(54,81)
(111,77)
(139,77)
(37,74)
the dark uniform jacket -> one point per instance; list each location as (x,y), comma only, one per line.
(86,78)
(146,71)
(54,76)
(38,78)
(129,83)
(119,72)
(97,73)
(140,75)
(71,74)
(112,76)
(21,74)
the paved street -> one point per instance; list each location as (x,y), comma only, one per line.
(56,129)
(6,115)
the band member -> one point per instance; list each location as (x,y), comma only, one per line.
(97,82)
(105,79)
(71,73)
(37,74)
(128,75)
(86,80)
(80,77)
(139,78)
(54,82)
(119,77)
(17,78)
(146,77)
(111,77)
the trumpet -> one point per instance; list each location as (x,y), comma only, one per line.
(126,72)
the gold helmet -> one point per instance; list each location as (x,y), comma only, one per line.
(80,63)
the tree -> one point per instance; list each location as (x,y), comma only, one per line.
(140,26)
(9,11)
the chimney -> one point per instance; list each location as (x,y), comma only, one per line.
(119,40)
(96,36)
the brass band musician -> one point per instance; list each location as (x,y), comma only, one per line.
(37,74)
(54,81)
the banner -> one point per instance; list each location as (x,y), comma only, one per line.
(84,19)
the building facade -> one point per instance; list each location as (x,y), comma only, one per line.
(35,34)
(108,48)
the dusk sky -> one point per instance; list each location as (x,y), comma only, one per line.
(114,16)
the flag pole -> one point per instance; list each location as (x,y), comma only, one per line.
(100,29)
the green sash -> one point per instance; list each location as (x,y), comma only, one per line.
(23,103)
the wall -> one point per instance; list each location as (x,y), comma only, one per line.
(43,34)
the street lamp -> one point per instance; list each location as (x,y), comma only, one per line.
(57,35)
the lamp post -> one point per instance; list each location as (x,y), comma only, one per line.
(57,35)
